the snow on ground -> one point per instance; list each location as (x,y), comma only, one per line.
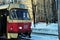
(51,28)
(40,37)
(44,37)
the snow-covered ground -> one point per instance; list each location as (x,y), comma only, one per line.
(40,37)
(44,37)
(51,28)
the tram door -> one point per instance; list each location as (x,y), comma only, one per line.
(3,21)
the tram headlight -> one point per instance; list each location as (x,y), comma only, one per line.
(20,27)
(11,28)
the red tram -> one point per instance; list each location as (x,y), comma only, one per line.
(14,22)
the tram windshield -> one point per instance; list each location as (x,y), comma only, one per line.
(20,14)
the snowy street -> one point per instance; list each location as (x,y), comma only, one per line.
(42,37)
(39,37)
(51,28)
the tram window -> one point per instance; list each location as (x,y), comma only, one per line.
(19,15)
(13,15)
(26,16)
(22,14)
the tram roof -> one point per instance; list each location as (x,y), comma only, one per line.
(13,6)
